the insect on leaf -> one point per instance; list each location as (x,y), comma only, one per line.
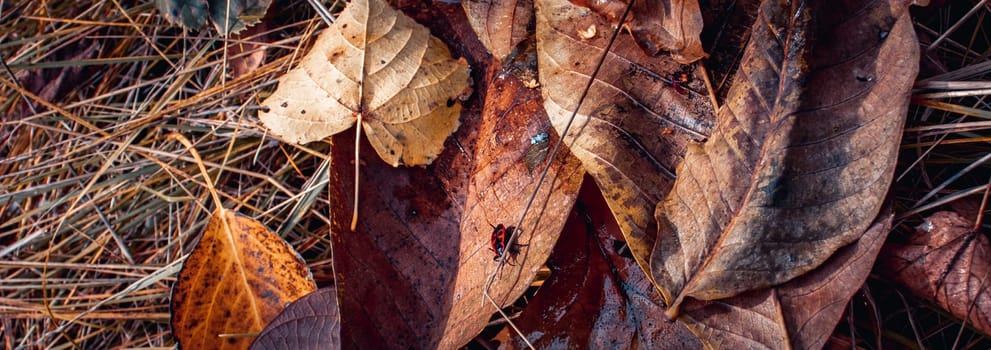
(237,279)
(378,66)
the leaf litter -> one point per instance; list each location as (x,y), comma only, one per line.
(20,247)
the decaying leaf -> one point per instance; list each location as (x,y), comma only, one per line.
(617,131)
(246,51)
(657,25)
(597,297)
(312,322)
(800,314)
(512,118)
(501,25)
(802,155)
(228,16)
(238,278)
(378,66)
(412,275)
(946,262)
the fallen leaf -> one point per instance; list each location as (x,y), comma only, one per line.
(378,66)
(228,16)
(191,14)
(616,131)
(237,279)
(413,273)
(802,155)
(501,25)
(947,263)
(312,322)
(597,297)
(657,25)
(800,314)
(247,50)
(232,16)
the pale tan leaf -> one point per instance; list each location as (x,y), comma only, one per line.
(377,63)
(238,278)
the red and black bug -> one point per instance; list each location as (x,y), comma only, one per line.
(680,82)
(500,236)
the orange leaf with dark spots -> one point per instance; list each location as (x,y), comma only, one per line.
(238,278)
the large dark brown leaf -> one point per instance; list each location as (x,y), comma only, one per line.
(412,274)
(657,25)
(619,132)
(800,314)
(597,297)
(802,155)
(946,262)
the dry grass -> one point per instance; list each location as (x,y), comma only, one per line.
(98,205)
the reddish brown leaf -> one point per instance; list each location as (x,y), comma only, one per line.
(247,50)
(657,25)
(413,273)
(595,297)
(946,262)
(500,24)
(802,155)
(617,133)
(312,322)
(237,279)
(800,314)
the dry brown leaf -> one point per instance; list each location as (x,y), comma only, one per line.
(412,275)
(946,262)
(802,155)
(312,322)
(498,190)
(800,314)
(617,133)
(657,25)
(378,65)
(597,297)
(238,278)
(246,50)
(501,25)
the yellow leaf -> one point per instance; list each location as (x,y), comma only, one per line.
(378,66)
(237,279)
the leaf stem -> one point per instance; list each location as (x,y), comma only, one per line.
(357,162)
